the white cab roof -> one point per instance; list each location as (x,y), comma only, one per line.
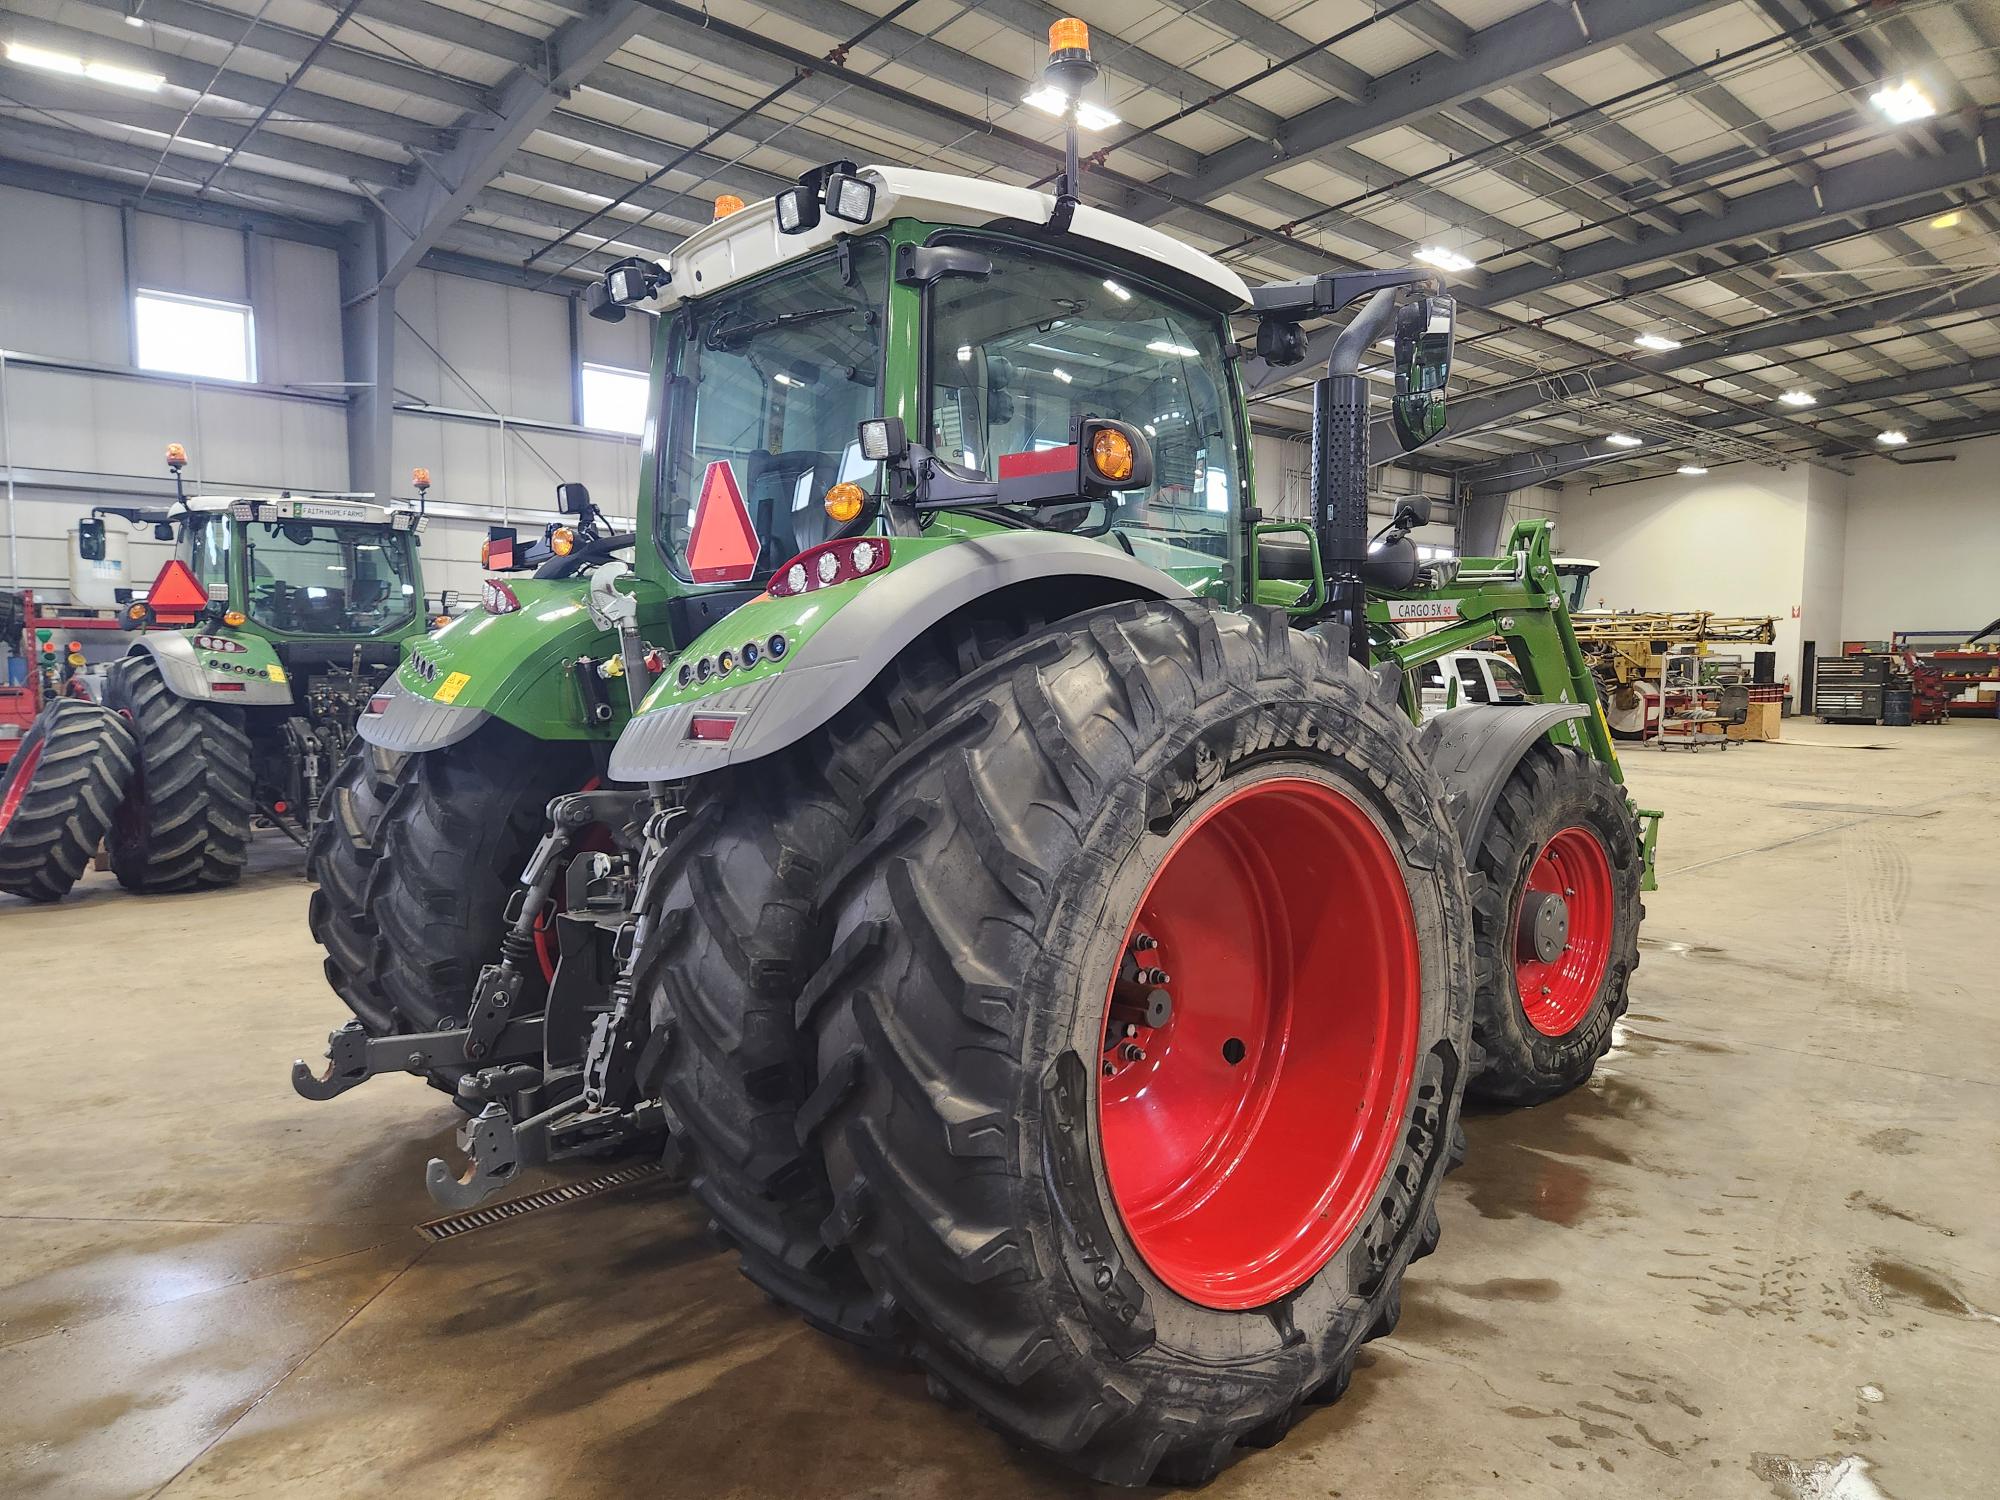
(748,243)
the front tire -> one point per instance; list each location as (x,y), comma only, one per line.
(1069,1257)
(186,823)
(1556,925)
(59,794)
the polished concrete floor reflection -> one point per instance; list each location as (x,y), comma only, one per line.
(1759,1255)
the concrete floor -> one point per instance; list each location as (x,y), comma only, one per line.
(1758,1255)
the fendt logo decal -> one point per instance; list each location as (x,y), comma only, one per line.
(722,546)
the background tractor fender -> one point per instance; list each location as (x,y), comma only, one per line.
(407,723)
(1475,749)
(181,666)
(833,668)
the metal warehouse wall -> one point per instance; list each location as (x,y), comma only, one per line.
(486,385)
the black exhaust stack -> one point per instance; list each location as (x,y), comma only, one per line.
(1340,468)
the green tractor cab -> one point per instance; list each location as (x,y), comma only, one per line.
(1009,869)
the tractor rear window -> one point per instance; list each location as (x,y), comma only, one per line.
(771,381)
(325,578)
(1018,356)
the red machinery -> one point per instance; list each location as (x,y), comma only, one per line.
(52,640)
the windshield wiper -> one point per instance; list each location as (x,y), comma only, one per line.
(727,336)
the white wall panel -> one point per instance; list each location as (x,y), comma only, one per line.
(1923,544)
(62,278)
(296,291)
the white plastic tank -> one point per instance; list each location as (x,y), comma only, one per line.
(92,580)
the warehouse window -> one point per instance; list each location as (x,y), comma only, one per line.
(614,399)
(195,336)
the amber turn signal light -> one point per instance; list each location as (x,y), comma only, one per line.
(562,541)
(844,501)
(727,204)
(235,617)
(1111,453)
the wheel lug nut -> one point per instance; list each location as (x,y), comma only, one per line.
(1154,978)
(1131,1028)
(1145,942)
(1132,1052)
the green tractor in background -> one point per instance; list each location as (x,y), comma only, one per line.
(259,645)
(1004,865)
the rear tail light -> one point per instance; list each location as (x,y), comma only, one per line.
(830,563)
(379,704)
(498,599)
(711,727)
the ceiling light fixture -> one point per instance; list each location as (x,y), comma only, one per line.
(1947,221)
(1625,440)
(1117,291)
(1443,259)
(124,78)
(1903,102)
(132,9)
(1657,341)
(1799,398)
(1895,437)
(1692,469)
(69,64)
(1167,346)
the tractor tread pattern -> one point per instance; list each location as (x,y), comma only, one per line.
(347,841)
(932,1182)
(87,762)
(747,866)
(1549,789)
(186,823)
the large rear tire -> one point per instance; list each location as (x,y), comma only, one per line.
(346,842)
(1556,925)
(1136,1261)
(451,841)
(185,824)
(738,900)
(59,794)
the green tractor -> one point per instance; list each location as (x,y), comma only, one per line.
(259,645)
(1004,865)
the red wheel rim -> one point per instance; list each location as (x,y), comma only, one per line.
(594,839)
(1245,1144)
(24,773)
(1558,991)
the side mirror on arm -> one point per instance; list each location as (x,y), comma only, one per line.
(573,499)
(1423,368)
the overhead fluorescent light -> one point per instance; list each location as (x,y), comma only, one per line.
(41,57)
(1657,341)
(1117,291)
(1167,346)
(1903,102)
(965,354)
(1053,101)
(1799,398)
(1947,221)
(69,64)
(1443,259)
(1895,437)
(124,78)
(1692,469)
(1063,375)
(1625,440)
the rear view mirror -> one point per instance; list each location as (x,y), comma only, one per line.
(90,539)
(1423,367)
(573,499)
(1411,512)
(163,531)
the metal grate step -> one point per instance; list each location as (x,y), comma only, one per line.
(488,1215)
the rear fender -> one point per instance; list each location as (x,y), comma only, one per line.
(1475,750)
(839,639)
(250,678)
(515,667)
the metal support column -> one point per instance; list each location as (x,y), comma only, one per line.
(368,345)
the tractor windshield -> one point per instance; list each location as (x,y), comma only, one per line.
(767,387)
(1018,356)
(326,578)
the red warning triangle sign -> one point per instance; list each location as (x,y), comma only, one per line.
(176,591)
(722,546)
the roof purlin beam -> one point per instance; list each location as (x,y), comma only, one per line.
(1528,42)
(418,215)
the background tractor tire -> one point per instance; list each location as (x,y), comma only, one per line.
(58,796)
(346,842)
(185,825)
(736,897)
(449,847)
(963,1099)
(1561,824)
